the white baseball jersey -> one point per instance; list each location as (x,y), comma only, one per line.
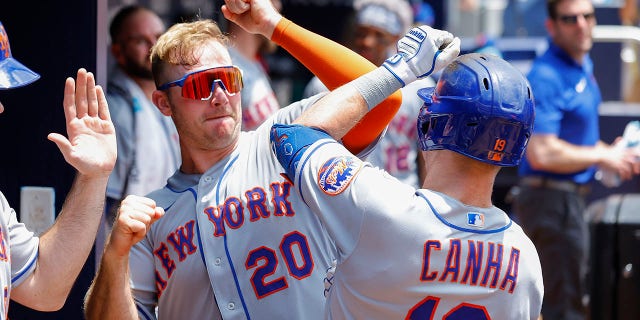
(398,150)
(235,242)
(415,254)
(259,100)
(18,253)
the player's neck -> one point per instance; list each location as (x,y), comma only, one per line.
(199,160)
(465,191)
(470,182)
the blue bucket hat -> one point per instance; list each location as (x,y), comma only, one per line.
(13,74)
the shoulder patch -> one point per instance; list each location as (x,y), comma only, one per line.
(336,174)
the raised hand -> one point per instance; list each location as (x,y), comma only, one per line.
(421,52)
(237,6)
(91,143)
(254,16)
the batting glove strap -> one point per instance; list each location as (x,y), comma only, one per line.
(400,69)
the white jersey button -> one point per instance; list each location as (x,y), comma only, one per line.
(231,306)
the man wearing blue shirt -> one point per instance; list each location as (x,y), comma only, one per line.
(563,154)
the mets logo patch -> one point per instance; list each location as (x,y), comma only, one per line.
(336,174)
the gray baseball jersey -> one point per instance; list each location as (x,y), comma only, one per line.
(415,254)
(18,252)
(235,242)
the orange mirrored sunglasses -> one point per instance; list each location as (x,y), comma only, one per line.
(199,85)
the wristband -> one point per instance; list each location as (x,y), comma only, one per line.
(376,86)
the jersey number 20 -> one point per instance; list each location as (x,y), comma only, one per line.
(265,262)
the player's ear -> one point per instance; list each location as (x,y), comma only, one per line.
(161,100)
(116,52)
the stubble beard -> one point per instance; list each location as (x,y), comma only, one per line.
(139,71)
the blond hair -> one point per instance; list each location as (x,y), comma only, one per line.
(180,44)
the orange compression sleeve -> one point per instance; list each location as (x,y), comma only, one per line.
(336,65)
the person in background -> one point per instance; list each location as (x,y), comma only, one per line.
(39,272)
(563,154)
(378,26)
(259,101)
(148,150)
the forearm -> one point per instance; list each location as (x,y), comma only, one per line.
(321,114)
(566,165)
(340,110)
(319,55)
(558,156)
(109,296)
(64,248)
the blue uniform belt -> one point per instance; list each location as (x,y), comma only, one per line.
(555,184)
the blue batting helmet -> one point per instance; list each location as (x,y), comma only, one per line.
(482,107)
(13,74)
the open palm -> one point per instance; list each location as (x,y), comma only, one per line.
(91,143)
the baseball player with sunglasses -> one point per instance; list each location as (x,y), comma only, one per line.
(441,252)
(234,242)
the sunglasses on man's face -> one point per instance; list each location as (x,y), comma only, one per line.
(199,85)
(573,19)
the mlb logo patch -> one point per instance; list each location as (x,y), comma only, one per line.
(475,219)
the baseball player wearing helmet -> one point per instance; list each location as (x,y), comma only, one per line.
(235,241)
(441,252)
(31,271)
